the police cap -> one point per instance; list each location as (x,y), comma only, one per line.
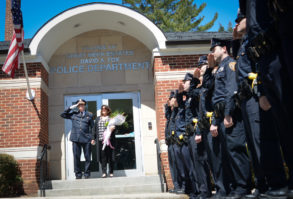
(202,60)
(81,101)
(188,76)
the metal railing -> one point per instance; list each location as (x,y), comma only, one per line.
(160,166)
(43,169)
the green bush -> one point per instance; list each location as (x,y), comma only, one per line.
(11,183)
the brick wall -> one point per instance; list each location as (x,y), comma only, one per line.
(8,21)
(162,91)
(24,123)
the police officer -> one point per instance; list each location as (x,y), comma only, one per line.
(82,124)
(197,148)
(270,46)
(183,175)
(229,121)
(215,146)
(262,139)
(170,114)
(184,130)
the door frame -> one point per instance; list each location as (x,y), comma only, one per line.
(102,98)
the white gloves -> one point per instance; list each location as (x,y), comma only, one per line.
(73,106)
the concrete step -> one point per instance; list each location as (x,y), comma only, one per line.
(104,190)
(102,182)
(104,186)
(121,196)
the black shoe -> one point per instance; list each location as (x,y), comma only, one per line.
(78,177)
(234,196)
(275,194)
(253,195)
(202,196)
(180,191)
(217,196)
(86,177)
(193,196)
(290,194)
(172,191)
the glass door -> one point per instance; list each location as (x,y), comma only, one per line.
(128,158)
(128,140)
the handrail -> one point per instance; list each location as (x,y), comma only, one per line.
(160,167)
(43,174)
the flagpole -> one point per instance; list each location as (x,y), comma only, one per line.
(30,93)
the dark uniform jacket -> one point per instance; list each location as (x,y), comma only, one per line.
(206,93)
(225,85)
(81,125)
(188,109)
(170,124)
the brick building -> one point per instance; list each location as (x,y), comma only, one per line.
(105,54)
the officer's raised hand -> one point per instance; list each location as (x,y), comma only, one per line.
(214,130)
(235,34)
(228,121)
(74,106)
(196,73)
(181,88)
(211,60)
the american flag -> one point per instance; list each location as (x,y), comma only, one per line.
(16,45)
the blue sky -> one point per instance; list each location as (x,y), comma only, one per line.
(37,12)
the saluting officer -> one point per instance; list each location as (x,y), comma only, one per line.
(183,132)
(229,119)
(215,145)
(270,47)
(262,139)
(197,149)
(170,114)
(82,124)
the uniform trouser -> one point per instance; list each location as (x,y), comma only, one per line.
(277,88)
(201,166)
(285,35)
(107,156)
(180,166)
(271,157)
(76,146)
(263,144)
(173,167)
(218,160)
(251,120)
(237,155)
(189,169)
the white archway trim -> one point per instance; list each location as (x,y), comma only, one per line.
(154,37)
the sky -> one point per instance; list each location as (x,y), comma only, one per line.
(37,12)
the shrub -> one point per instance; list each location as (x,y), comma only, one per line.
(11,183)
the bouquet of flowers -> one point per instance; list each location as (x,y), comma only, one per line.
(117,120)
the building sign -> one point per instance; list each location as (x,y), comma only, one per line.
(100,58)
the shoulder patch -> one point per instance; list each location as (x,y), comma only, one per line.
(232,65)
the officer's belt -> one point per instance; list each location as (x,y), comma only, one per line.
(248,87)
(169,140)
(189,130)
(264,43)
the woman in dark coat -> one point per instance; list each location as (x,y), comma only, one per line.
(107,155)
